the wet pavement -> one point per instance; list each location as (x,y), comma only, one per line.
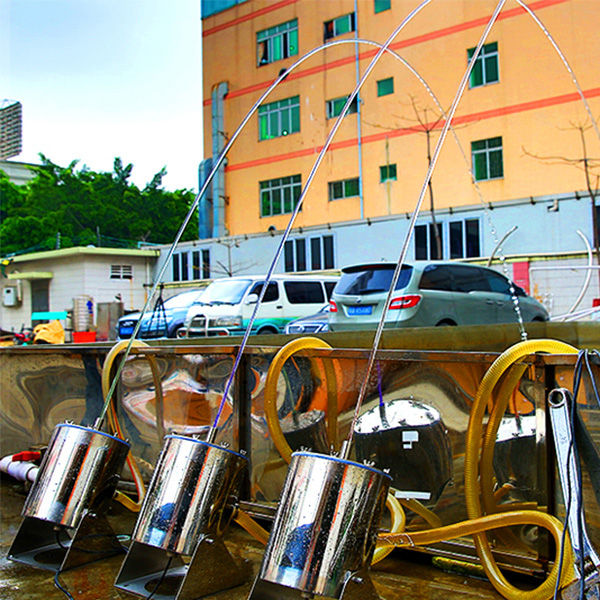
(400,576)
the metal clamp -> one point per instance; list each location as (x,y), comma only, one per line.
(587,560)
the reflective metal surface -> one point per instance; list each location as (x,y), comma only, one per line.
(326,524)
(191,494)
(79,473)
(409,438)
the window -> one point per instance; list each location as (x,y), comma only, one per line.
(485,70)
(425,242)
(334,107)
(387,173)
(321,253)
(469,279)
(296,254)
(464,238)
(343,189)
(304,292)
(385,86)
(279,118)
(272,293)
(279,196)
(339,26)
(201,264)
(487,159)
(277,42)
(121,272)
(381,5)
(437,277)
(205,264)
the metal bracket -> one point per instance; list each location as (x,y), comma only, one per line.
(211,570)
(38,543)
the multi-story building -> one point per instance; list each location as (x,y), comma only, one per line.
(515,154)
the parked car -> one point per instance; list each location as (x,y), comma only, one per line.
(156,323)
(428,294)
(317,323)
(228,303)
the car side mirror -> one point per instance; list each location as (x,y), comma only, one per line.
(252,299)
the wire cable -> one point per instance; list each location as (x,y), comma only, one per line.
(162,578)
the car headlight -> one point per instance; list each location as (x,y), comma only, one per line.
(228,322)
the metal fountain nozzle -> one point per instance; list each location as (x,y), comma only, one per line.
(188,506)
(76,481)
(325,530)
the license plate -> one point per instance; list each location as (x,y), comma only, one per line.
(360,310)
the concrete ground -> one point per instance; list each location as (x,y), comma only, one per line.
(400,576)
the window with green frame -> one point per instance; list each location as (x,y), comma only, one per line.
(387,173)
(487,159)
(277,43)
(345,188)
(485,70)
(334,107)
(385,86)
(381,5)
(279,196)
(279,118)
(339,26)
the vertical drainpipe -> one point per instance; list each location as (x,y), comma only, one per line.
(218,143)
(358,114)
(206,202)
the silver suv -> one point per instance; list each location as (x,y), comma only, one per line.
(428,294)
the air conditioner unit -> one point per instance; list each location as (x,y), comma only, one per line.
(10,296)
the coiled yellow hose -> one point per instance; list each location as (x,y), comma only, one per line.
(472,470)
(270,393)
(125,500)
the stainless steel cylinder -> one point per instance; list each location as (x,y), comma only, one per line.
(326,524)
(79,473)
(191,494)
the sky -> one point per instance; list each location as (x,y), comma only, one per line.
(100,79)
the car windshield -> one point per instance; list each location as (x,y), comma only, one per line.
(371,280)
(181,300)
(224,291)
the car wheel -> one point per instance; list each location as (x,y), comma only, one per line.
(176,332)
(446,323)
(266,331)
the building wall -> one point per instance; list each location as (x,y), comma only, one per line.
(532,107)
(76,274)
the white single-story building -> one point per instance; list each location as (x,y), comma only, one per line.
(85,282)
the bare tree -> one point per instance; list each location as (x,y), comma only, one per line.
(589,166)
(424,126)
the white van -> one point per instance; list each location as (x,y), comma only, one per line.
(227,304)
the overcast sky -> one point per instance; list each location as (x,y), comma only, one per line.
(105,78)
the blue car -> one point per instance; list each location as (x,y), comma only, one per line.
(159,323)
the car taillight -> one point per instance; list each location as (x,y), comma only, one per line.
(409,301)
(332,306)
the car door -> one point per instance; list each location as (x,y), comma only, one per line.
(503,299)
(475,304)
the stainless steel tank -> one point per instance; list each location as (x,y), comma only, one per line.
(191,494)
(326,525)
(79,473)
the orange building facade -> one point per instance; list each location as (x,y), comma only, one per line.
(514,155)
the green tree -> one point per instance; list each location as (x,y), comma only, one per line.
(85,206)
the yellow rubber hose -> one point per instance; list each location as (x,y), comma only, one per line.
(251,526)
(472,471)
(479,527)
(270,393)
(114,422)
(398,525)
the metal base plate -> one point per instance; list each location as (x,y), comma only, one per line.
(211,569)
(48,546)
